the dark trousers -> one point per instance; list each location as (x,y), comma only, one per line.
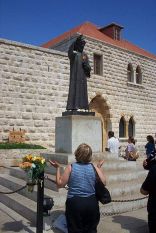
(82,214)
(152,223)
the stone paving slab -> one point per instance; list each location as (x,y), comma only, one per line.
(129,222)
(10,221)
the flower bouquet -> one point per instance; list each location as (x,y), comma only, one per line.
(33,166)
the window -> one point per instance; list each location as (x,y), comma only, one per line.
(117,34)
(131,127)
(122,128)
(138,75)
(98,64)
(130,73)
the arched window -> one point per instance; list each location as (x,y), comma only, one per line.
(122,128)
(138,75)
(131,127)
(130,73)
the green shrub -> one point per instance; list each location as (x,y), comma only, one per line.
(19,146)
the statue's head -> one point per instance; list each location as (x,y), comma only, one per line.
(79,44)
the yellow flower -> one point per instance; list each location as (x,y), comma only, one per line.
(37,163)
(34,158)
(43,161)
(28,158)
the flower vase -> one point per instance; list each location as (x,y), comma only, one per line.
(30,187)
(30,181)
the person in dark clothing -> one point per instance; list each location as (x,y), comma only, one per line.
(79,71)
(150,146)
(149,188)
(82,208)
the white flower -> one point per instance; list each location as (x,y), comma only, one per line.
(33,165)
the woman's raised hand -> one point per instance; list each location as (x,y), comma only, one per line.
(100,163)
(54,163)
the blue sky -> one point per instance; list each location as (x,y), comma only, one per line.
(37,21)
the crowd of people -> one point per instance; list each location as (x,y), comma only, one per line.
(82,208)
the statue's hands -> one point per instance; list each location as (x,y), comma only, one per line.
(85,65)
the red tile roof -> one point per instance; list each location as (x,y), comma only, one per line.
(90,30)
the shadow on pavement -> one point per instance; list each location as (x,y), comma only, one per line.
(133,224)
(15,226)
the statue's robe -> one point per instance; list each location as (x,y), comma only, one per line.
(79,71)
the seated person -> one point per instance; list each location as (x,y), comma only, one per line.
(131,151)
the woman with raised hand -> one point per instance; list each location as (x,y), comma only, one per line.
(82,208)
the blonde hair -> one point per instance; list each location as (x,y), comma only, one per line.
(83,153)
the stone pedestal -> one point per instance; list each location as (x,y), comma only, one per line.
(71,131)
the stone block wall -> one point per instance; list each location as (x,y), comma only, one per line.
(34,88)
(125,98)
(33,91)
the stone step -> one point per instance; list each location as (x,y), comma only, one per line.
(21,208)
(11,221)
(119,165)
(66,158)
(124,189)
(14,183)
(71,157)
(4,170)
(22,205)
(121,177)
(124,179)
(127,175)
(19,173)
(62,158)
(52,170)
(122,207)
(109,164)
(120,183)
(27,207)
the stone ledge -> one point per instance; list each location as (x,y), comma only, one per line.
(12,157)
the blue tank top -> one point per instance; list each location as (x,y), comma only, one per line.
(81,181)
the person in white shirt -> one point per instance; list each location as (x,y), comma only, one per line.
(113,144)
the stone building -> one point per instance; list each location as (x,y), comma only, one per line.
(34,85)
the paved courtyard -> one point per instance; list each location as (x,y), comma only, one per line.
(130,222)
